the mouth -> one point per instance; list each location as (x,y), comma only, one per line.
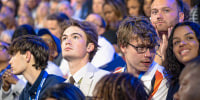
(184,52)
(146,63)
(160,22)
(67,49)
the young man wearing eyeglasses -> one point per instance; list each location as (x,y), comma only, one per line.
(138,42)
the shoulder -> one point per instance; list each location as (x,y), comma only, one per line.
(54,79)
(101,72)
(94,72)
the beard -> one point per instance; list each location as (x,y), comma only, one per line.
(163,28)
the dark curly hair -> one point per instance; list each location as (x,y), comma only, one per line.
(38,48)
(172,66)
(120,86)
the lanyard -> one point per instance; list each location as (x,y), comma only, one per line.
(40,86)
(140,75)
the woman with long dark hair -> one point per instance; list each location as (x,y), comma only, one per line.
(183,46)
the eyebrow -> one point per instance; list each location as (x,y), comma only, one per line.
(166,8)
(73,34)
(184,35)
(77,34)
(161,8)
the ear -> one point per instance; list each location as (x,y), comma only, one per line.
(123,49)
(90,47)
(28,56)
(181,16)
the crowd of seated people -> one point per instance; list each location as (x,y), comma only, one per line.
(99,49)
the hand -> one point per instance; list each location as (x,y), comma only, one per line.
(156,30)
(164,43)
(8,79)
(6,86)
(161,33)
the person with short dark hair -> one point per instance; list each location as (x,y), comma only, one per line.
(79,43)
(23,30)
(54,22)
(63,91)
(165,14)
(29,56)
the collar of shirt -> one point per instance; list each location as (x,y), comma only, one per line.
(80,73)
(32,89)
(148,75)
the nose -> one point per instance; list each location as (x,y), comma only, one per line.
(182,43)
(159,15)
(68,41)
(147,53)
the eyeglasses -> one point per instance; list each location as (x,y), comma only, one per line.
(143,49)
(2,47)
